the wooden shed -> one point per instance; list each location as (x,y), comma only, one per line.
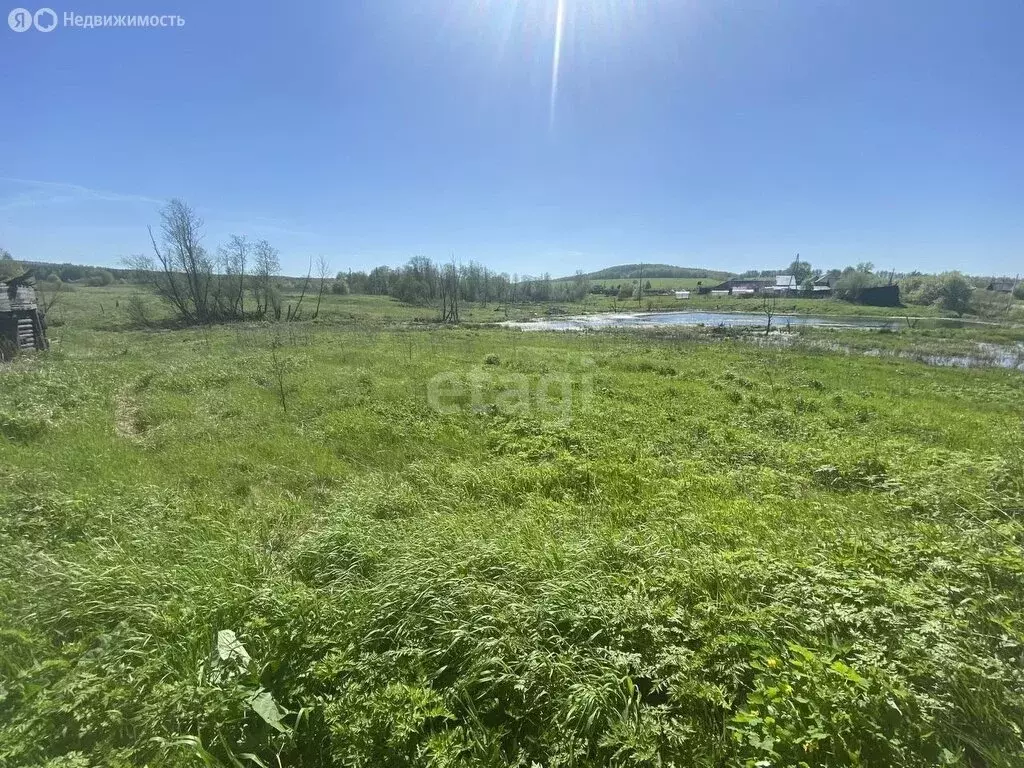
(21,323)
(1002,286)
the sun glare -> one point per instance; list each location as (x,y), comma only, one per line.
(556,59)
(572,26)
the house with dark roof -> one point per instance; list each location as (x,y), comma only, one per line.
(1002,285)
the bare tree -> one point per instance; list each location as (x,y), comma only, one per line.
(448,289)
(48,299)
(323,273)
(181,272)
(266,264)
(294,315)
(770,306)
(234,258)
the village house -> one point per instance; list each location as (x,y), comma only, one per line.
(785,284)
(742,286)
(1002,285)
(822,286)
(751,286)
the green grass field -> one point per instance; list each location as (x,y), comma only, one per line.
(370,542)
(106,308)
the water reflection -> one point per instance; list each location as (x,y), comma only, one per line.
(983,355)
(730,320)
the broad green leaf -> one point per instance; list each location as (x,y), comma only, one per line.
(263,704)
(229,647)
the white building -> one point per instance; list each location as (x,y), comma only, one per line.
(785,283)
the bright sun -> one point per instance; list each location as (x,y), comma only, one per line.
(567,23)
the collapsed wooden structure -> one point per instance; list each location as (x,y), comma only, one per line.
(21,323)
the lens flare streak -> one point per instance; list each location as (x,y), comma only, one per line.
(556,59)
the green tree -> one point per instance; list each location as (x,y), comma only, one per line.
(955,293)
(853,283)
(101,277)
(1018,291)
(8,266)
(801,270)
(921,289)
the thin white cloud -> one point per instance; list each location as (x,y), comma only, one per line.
(44,193)
(259,226)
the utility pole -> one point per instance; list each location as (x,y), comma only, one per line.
(640,287)
(1009,300)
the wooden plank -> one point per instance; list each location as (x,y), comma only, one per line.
(26,333)
(23,298)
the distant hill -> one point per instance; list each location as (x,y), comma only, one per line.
(635,271)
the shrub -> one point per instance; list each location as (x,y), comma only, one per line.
(8,266)
(921,289)
(137,310)
(100,277)
(955,293)
(853,283)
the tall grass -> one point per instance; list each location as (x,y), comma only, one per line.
(727,556)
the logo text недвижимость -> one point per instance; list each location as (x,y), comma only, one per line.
(47,20)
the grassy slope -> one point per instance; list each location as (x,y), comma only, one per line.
(627,272)
(729,554)
(658,283)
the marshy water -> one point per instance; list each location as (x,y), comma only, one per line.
(729,320)
(981,355)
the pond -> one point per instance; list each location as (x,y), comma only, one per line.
(982,355)
(728,320)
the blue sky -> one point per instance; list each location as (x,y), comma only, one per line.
(695,132)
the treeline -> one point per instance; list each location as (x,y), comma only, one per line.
(57,273)
(77,273)
(422,282)
(950,291)
(239,280)
(235,282)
